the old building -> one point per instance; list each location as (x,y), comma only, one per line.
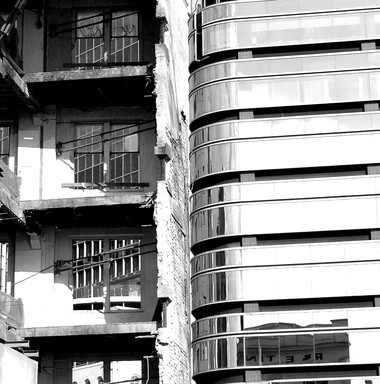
(285,163)
(93,145)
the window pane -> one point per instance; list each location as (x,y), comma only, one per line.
(124,37)
(124,157)
(296,349)
(89,43)
(86,270)
(4,144)
(88,158)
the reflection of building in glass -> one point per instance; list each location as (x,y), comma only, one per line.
(284,108)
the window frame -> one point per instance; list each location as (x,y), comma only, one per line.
(108,168)
(106,37)
(106,264)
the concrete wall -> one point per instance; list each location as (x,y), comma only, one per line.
(171,210)
(16,368)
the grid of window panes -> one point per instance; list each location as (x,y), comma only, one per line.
(125,44)
(125,267)
(124,157)
(103,36)
(87,268)
(88,157)
(121,155)
(4,144)
(4,248)
(89,42)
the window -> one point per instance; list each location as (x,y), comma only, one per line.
(124,259)
(4,144)
(106,153)
(95,372)
(4,249)
(106,37)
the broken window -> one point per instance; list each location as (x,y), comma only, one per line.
(106,37)
(121,259)
(106,153)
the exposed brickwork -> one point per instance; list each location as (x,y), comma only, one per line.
(173,342)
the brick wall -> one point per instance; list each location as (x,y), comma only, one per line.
(171,213)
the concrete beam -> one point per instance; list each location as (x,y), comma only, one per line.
(86,330)
(96,74)
(115,199)
(18,85)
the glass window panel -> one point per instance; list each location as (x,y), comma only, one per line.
(296,349)
(125,24)
(252,351)
(89,24)
(269,348)
(125,37)
(222,353)
(89,43)
(332,348)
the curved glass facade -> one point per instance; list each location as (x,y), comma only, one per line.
(301,254)
(286,126)
(291,30)
(301,151)
(288,349)
(280,7)
(275,322)
(285,178)
(284,65)
(257,218)
(285,91)
(310,281)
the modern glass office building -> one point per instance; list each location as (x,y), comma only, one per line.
(285,178)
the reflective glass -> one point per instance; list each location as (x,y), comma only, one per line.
(289,31)
(296,349)
(332,348)
(286,126)
(269,349)
(260,93)
(290,349)
(263,8)
(247,283)
(252,351)
(284,65)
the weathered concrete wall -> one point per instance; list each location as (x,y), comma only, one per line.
(173,342)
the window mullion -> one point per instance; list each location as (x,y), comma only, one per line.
(107,35)
(106,154)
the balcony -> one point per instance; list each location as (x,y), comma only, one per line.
(92,86)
